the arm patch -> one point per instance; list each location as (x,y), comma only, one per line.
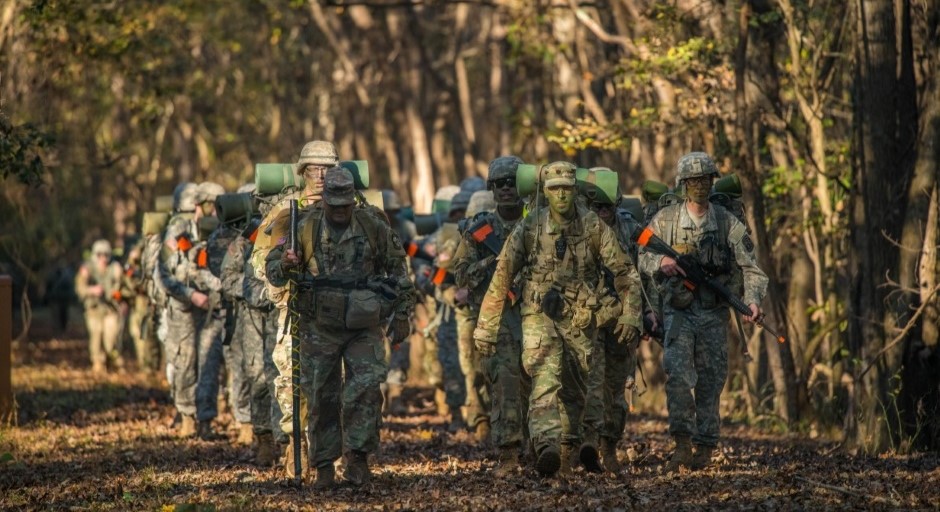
(748,243)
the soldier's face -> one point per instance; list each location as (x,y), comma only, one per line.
(504,190)
(697,189)
(338,216)
(313,178)
(560,198)
(605,211)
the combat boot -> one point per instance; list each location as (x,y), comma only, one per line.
(288,459)
(508,462)
(357,471)
(457,424)
(245,434)
(394,405)
(681,455)
(326,477)
(609,455)
(264,450)
(187,426)
(205,432)
(482,431)
(702,458)
(549,461)
(589,458)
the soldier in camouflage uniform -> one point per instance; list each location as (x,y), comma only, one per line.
(507,384)
(146,345)
(695,356)
(560,252)
(193,293)
(358,278)
(255,331)
(98,285)
(315,158)
(615,370)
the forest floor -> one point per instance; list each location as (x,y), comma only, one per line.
(86,441)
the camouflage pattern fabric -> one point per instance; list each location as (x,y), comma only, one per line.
(102,318)
(695,357)
(559,353)
(333,356)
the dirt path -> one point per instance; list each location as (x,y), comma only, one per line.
(87,442)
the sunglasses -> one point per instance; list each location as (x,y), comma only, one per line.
(504,182)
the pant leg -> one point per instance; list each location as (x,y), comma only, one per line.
(619,362)
(365,370)
(209,365)
(681,377)
(249,329)
(594,409)
(506,381)
(182,329)
(477,403)
(321,369)
(94,323)
(542,354)
(454,385)
(578,362)
(270,374)
(711,365)
(281,358)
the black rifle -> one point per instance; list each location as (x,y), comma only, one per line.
(696,276)
(293,317)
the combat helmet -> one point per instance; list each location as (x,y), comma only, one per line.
(318,152)
(460,201)
(503,167)
(101,246)
(480,201)
(390,200)
(207,191)
(472,184)
(694,165)
(184,197)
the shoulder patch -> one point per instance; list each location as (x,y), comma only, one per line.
(748,243)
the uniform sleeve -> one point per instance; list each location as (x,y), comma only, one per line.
(626,278)
(508,265)
(649,261)
(396,266)
(755,280)
(253,289)
(81,282)
(170,258)
(233,266)
(464,257)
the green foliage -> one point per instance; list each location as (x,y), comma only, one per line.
(20,147)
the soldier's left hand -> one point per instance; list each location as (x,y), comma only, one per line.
(481,341)
(401,329)
(755,314)
(627,334)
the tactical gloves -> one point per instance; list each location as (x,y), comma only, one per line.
(483,341)
(627,333)
(399,330)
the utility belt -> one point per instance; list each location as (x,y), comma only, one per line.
(582,304)
(680,297)
(346,303)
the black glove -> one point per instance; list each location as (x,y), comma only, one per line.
(399,330)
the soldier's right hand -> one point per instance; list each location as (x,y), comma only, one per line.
(289,259)
(670,267)
(200,300)
(482,342)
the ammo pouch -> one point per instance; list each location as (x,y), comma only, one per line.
(677,295)
(363,309)
(553,304)
(330,307)
(609,309)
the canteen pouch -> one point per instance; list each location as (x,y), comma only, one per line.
(609,309)
(677,295)
(330,308)
(363,309)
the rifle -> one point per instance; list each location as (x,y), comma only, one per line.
(696,276)
(293,318)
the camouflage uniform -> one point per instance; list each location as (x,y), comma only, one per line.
(507,386)
(695,356)
(102,311)
(256,332)
(562,264)
(146,345)
(345,264)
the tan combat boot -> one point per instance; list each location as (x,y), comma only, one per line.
(326,477)
(482,431)
(681,455)
(289,459)
(187,426)
(245,434)
(357,471)
(548,461)
(264,450)
(609,455)
(702,457)
(508,462)
(589,458)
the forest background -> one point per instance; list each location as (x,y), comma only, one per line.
(828,110)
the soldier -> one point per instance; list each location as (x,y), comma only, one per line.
(617,364)
(146,345)
(507,384)
(315,158)
(357,268)
(695,323)
(190,304)
(559,252)
(98,285)
(255,333)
